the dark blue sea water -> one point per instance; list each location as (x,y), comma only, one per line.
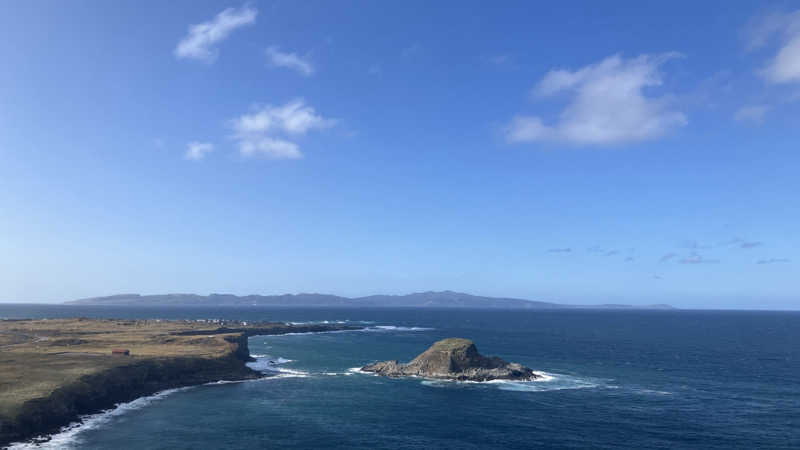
(618,379)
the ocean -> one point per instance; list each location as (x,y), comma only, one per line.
(614,379)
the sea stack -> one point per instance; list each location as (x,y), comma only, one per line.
(454,359)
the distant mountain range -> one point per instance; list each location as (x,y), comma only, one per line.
(442,299)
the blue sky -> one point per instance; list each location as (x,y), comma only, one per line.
(577,152)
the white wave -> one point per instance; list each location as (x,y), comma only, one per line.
(549,382)
(358,370)
(318,322)
(543,376)
(214,383)
(375,328)
(546,382)
(291,374)
(395,328)
(651,392)
(301,333)
(337,374)
(68,437)
(271,365)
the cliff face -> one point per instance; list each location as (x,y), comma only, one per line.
(103,390)
(454,359)
(53,371)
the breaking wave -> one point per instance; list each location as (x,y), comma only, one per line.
(395,328)
(271,366)
(374,328)
(68,437)
(547,382)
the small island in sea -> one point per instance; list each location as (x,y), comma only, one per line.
(54,371)
(454,359)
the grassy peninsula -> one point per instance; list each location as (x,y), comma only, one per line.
(53,371)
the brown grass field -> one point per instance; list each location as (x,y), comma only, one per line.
(37,356)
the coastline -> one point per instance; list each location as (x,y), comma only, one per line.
(38,418)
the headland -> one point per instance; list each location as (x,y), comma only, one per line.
(54,371)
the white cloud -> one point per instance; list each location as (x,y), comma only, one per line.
(198,44)
(784,67)
(289,61)
(267,130)
(198,150)
(607,104)
(754,113)
(528,128)
(294,117)
(274,148)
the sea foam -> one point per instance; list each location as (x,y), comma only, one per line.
(68,437)
(267,365)
(395,328)
(546,382)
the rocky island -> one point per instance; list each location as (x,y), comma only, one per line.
(454,359)
(54,371)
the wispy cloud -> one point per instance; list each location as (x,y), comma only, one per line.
(196,151)
(694,258)
(667,257)
(199,42)
(754,114)
(748,245)
(694,245)
(268,131)
(630,259)
(741,243)
(292,61)
(773,261)
(559,250)
(611,253)
(607,104)
(783,28)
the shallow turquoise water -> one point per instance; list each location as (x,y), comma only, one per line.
(683,379)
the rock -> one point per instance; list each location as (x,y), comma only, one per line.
(454,359)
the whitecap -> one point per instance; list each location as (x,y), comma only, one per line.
(651,392)
(545,382)
(68,436)
(358,370)
(395,328)
(269,365)
(549,382)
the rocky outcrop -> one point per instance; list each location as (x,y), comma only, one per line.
(454,359)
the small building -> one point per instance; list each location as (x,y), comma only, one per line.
(120,351)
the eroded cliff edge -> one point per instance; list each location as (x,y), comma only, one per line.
(454,359)
(54,371)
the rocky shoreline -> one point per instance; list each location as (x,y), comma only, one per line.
(139,377)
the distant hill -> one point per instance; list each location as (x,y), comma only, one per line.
(441,299)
